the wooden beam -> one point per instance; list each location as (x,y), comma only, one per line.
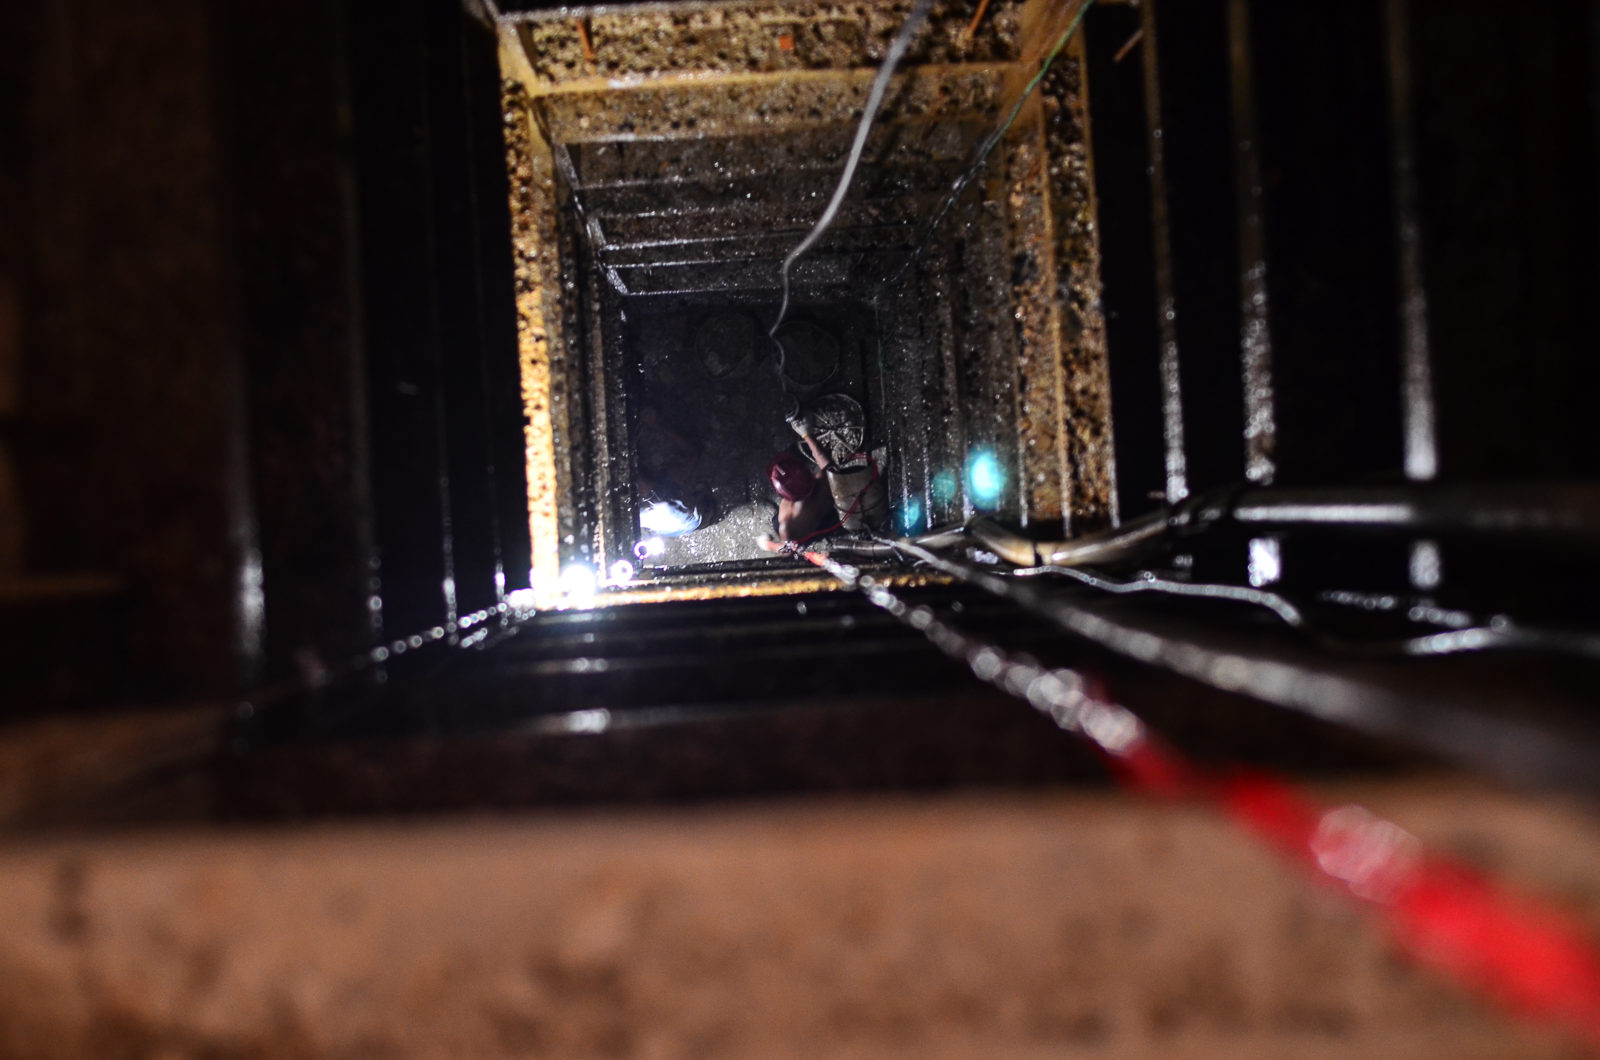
(692,108)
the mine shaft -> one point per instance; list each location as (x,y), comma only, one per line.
(948,528)
(678,184)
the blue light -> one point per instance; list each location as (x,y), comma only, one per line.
(944,487)
(986,479)
(911,516)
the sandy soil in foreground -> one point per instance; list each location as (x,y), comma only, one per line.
(1046,924)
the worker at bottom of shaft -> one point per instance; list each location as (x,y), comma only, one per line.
(803,507)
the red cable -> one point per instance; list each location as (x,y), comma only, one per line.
(1519,953)
(1522,954)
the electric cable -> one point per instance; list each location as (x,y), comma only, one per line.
(1462,633)
(1499,632)
(1148,582)
(880,87)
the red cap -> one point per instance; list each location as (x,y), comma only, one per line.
(790,477)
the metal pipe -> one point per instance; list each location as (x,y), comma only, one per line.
(1013,548)
(1558,511)
(1380,697)
(879,547)
(1553,510)
(857,549)
(1108,546)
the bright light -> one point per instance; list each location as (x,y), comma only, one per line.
(622,571)
(578,584)
(598,720)
(986,479)
(1266,562)
(911,516)
(521,599)
(650,546)
(1426,565)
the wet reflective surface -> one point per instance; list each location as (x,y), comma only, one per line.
(649,235)
(711,398)
(259,385)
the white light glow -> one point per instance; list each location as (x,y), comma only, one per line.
(578,584)
(622,571)
(1426,565)
(1266,561)
(650,546)
(598,720)
(521,599)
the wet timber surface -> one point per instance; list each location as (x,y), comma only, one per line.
(675,159)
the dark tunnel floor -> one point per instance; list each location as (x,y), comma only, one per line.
(710,411)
